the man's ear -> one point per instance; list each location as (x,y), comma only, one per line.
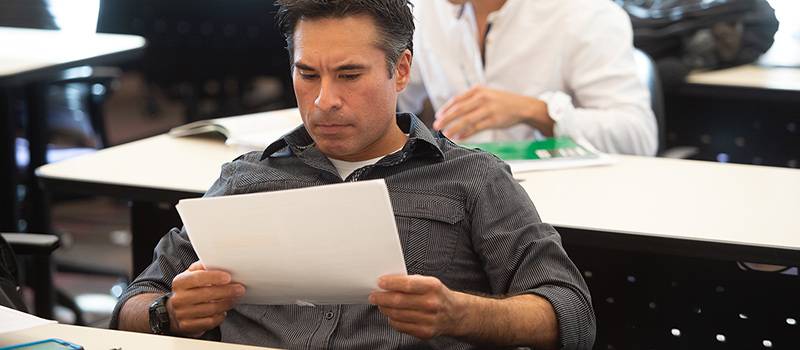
(402,70)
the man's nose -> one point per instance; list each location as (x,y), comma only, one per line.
(328,98)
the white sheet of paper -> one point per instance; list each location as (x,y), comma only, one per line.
(316,245)
(521,166)
(12,320)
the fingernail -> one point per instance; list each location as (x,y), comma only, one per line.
(240,291)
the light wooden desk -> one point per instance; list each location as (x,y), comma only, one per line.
(675,206)
(103,339)
(750,76)
(30,57)
(683,207)
(32,54)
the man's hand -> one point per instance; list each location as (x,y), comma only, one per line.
(200,300)
(482,108)
(421,306)
(424,307)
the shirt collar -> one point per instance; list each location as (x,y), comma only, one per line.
(421,142)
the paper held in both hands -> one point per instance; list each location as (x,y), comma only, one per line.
(309,246)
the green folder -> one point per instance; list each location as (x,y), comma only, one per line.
(551,148)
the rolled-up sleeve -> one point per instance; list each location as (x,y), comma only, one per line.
(522,255)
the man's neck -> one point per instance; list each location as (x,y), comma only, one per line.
(482,10)
(484,7)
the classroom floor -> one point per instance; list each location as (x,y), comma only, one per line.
(96,231)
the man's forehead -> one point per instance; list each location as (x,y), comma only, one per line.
(348,29)
(341,40)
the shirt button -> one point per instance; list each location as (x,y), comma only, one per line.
(329,315)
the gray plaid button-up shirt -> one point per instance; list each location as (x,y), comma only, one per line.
(461,218)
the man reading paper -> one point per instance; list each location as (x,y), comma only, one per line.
(483,269)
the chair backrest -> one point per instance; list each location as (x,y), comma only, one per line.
(9,297)
(648,74)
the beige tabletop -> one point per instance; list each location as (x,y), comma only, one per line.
(103,339)
(750,76)
(31,49)
(683,199)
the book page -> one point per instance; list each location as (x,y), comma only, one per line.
(252,131)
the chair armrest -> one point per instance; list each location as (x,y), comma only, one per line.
(32,243)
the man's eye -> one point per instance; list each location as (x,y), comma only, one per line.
(308,76)
(349,76)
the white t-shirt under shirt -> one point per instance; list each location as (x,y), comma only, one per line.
(346,168)
(575,55)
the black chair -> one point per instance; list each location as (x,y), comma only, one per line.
(648,74)
(206,53)
(37,247)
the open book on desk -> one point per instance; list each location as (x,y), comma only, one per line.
(252,131)
(552,153)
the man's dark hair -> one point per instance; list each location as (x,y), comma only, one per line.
(393,20)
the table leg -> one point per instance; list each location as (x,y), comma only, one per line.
(149,222)
(41,281)
(37,212)
(8,165)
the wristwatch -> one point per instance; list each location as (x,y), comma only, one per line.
(159,316)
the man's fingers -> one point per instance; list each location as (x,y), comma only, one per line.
(478,126)
(395,300)
(198,326)
(200,278)
(467,125)
(455,109)
(202,295)
(409,316)
(196,266)
(413,284)
(205,309)
(446,119)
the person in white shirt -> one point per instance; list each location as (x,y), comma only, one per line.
(509,70)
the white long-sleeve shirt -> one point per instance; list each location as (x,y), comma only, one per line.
(575,55)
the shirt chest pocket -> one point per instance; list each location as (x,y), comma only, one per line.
(429,227)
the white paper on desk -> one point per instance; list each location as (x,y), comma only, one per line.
(12,320)
(316,245)
(521,166)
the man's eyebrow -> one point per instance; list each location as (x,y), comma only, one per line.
(351,66)
(303,66)
(344,67)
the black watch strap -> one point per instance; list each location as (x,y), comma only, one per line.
(159,315)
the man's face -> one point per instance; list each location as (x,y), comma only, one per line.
(345,95)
